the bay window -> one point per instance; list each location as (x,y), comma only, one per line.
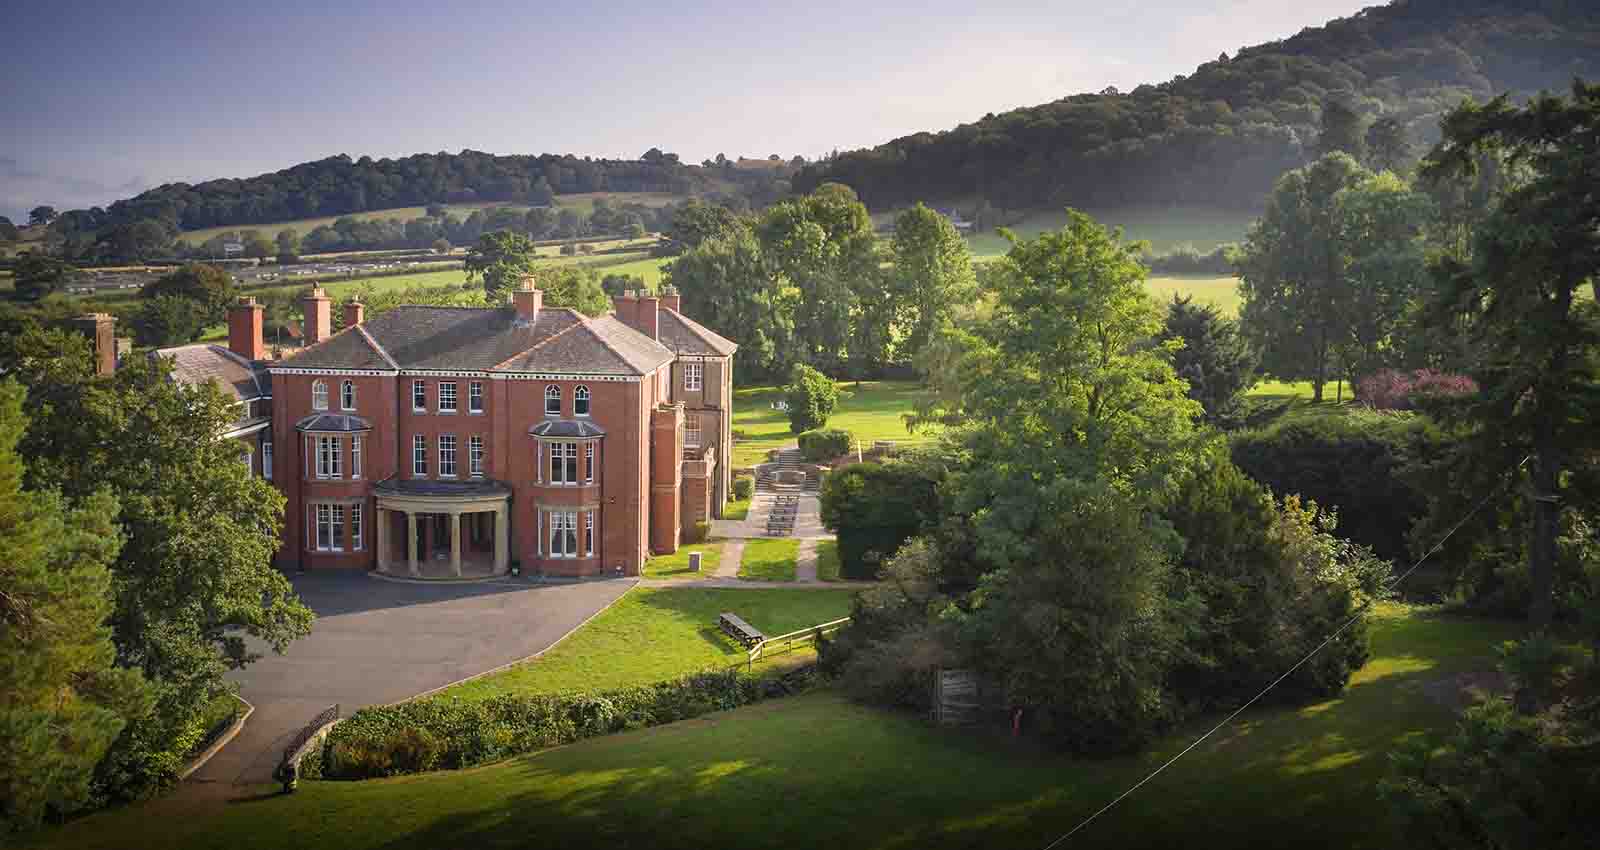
(564,463)
(563,527)
(329,457)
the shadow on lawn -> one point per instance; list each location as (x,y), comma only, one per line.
(818,772)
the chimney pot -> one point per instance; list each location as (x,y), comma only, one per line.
(528,300)
(319,315)
(354,313)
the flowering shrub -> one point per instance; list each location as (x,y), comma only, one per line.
(1392,389)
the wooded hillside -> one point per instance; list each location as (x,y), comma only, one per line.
(1223,134)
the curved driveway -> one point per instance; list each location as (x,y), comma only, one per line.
(378,642)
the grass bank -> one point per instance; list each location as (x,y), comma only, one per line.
(819,771)
(871,410)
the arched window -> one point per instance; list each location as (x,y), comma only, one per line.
(552,400)
(580,401)
(347,395)
(319,395)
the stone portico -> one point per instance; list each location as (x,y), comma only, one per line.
(442,529)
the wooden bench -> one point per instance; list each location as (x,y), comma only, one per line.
(735,627)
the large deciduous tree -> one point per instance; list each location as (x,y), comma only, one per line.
(500,260)
(1536,342)
(823,246)
(42,214)
(209,287)
(1342,129)
(38,275)
(194,577)
(1388,146)
(62,702)
(725,282)
(574,287)
(932,274)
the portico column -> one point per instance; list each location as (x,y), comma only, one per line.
(455,543)
(383,540)
(411,540)
(502,551)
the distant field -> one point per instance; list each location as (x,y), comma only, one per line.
(583,203)
(1220,292)
(1165,228)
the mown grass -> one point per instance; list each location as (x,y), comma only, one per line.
(676,565)
(870,411)
(1165,228)
(828,560)
(820,771)
(652,634)
(1219,292)
(736,509)
(769,559)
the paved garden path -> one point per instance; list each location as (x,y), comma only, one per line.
(732,557)
(805,565)
(377,642)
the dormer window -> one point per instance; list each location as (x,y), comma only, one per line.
(347,395)
(319,395)
(552,400)
(580,401)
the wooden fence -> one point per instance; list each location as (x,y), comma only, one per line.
(785,643)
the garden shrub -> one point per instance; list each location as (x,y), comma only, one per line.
(874,508)
(1350,464)
(698,532)
(1391,389)
(439,733)
(825,444)
(743,488)
(1260,583)
(811,397)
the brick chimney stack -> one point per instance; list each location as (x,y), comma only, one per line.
(670,299)
(244,329)
(319,315)
(354,313)
(529,300)
(640,310)
(101,329)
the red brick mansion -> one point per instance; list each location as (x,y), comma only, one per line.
(442,441)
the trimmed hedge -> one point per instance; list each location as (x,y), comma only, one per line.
(824,444)
(743,488)
(449,734)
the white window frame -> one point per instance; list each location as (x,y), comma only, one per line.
(563,540)
(266,460)
(588,462)
(419,455)
(694,377)
(319,395)
(330,527)
(447,455)
(588,534)
(355,455)
(330,457)
(347,395)
(691,429)
(419,396)
(564,464)
(474,397)
(249,462)
(354,529)
(580,401)
(475,455)
(447,392)
(552,393)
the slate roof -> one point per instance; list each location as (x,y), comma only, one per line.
(430,487)
(686,336)
(333,422)
(477,339)
(203,362)
(567,428)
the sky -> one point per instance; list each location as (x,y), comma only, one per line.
(103,100)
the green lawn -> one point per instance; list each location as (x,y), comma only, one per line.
(1165,228)
(652,634)
(870,411)
(736,509)
(676,565)
(819,771)
(828,560)
(1219,292)
(769,559)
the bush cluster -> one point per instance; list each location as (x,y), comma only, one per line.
(1187,260)
(743,487)
(1352,464)
(875,508)
(811,397)
(824,444)
(449,734)
(1392,389)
